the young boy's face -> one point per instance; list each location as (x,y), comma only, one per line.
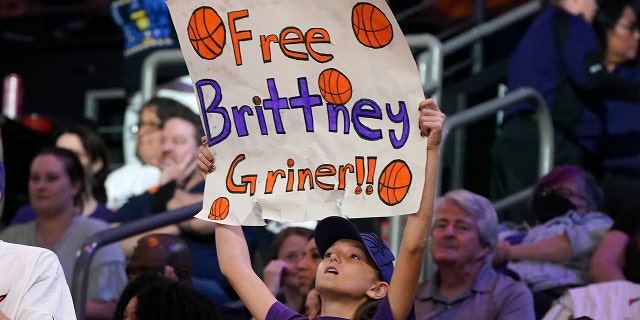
(346,269)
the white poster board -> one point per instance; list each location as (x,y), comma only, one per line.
(310,108)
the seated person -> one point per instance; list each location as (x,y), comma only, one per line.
(92,151)
(161,254)
(166,299)
(136,177)
(281,273)
(465,286)
(33,281)
(56,186)
(554,256)
(618,255)
(168,256)
(180,186)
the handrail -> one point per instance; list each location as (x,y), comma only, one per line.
(491,26)
(491,107)
(150,68)
(95,242)
(430,63)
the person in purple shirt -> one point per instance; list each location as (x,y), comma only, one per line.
(92,151)
(465,286)
(356,278)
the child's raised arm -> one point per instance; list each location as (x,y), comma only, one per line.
(235,264)
(409,261)
(233,255)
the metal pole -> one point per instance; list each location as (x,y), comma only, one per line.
(150,69)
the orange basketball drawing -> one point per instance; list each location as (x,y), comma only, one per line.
(358,190)
(206,33)
(219,209)
(334,86)
(394,182)
(371,26)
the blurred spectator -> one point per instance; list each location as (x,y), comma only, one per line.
(560,57)
(161,254)
(618,256)
(56,186)
(180,186)
(136,177)
(165,299)
(281,273)
(33,281)
(308,265)
(91,149)
(168,256)
(465,286)
(618,137)
(554,256)
(133,287)
(180,90)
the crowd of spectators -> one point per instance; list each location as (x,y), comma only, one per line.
(575,240)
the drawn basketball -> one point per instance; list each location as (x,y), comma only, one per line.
(394,182)
(290,163)
(358,190)
(206,33)
(334,86)
(219,209)
(371,26)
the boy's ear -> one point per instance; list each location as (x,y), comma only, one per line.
(378,290)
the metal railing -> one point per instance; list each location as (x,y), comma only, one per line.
(150,67)
(94,243)
(491,107)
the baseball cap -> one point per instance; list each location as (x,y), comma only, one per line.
(331,229)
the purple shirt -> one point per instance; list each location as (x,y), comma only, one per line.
(26,213)
(493,296)
(279,311)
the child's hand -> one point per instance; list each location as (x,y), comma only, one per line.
(206,161)
(431,122)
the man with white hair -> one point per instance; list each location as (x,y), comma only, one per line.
(465,286)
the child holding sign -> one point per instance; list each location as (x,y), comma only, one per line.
(357,269)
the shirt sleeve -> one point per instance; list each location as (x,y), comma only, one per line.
(585,237)
(48,297)
(279,311)
(107,277)
(134,209)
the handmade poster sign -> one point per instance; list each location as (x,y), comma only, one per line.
(310,108)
